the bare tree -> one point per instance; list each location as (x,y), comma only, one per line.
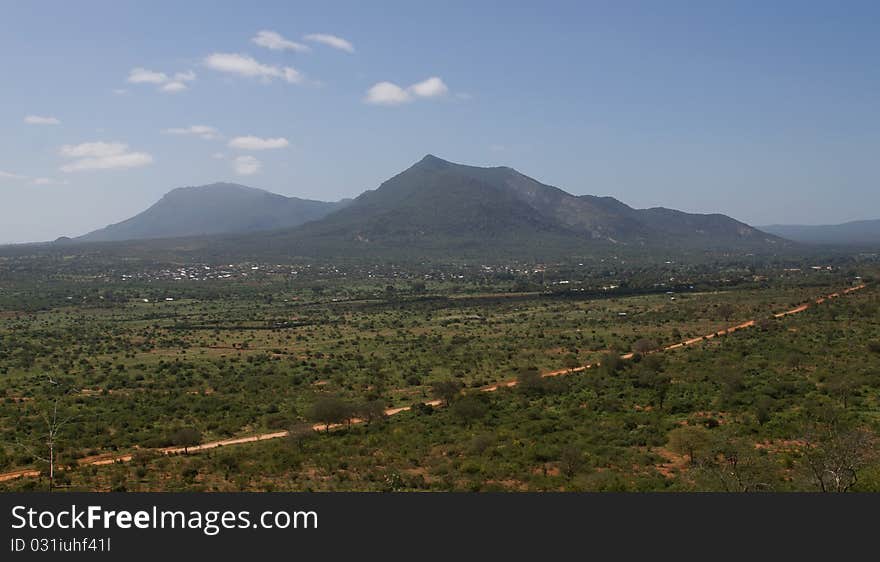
(736,466)
(299,433)
(54,425)
(834,454)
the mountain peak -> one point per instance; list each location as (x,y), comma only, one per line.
(432,162)
(215,208)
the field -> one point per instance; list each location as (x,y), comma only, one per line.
(140,359)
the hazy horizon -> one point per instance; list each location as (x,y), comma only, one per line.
(761,112)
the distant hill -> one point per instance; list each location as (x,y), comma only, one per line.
(219,208)
(856,233)
(434,210)
(436,206)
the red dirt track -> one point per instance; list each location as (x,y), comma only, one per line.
(106,459)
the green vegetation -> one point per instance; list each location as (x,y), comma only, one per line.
(141,357)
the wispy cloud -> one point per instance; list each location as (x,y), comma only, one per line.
(257,143)
(49,181)
(168,84)
(246,165)
(243,65)
(11,176)
(274,40)
(102,156)
(389,93)
(41,120)
(331,41)
(173,87)
(202,131)
(143,76)
(35,181)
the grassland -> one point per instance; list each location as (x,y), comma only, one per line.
(134,360)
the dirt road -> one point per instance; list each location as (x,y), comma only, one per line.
(125,457)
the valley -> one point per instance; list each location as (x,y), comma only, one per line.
(234,360)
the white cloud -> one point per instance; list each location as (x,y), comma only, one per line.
(41,120)
(97,149)
(246,165)
(188,76)
(218,156)
(102,156)
(173,87)
(143,76)
(431,88)
(127,160)
(11,176)
(203,131)
(167,84)
(389,93)
(330,40)
(120,91)
(34,181)
(256,143)
(246,66)
(49,181)
(273,40)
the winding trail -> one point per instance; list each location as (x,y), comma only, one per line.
(112,458)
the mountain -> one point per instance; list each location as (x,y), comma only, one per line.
(218,208)
(856,233)
(437,205)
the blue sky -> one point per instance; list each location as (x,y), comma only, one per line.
(764,110)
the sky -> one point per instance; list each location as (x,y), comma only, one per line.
(763,110)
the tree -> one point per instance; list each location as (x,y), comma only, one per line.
(835,452)
(571,361)
(571,460)
(644,345)
(690,440)
(725,311)
(529,379)
(842,385)
(446,390)
(186,437)
(794,360)
(470,408)
(764,407)
(659,383)
(418,287)
(54,425)
(732,383)
(734,465)
(610,363)
(329,410)
(370,410)
(299,433)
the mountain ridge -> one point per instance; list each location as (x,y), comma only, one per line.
(217,208)
(851,233)
(437,208)
(435,195)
